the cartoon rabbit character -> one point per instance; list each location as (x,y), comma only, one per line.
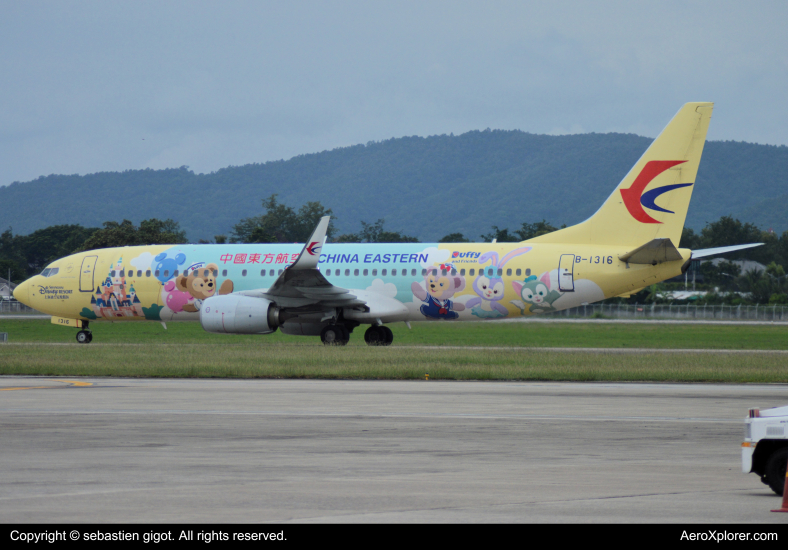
(440,289)
(490,288)
(537,294)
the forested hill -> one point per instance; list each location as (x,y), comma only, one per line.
(424,187)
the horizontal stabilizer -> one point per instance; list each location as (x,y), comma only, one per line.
(706,252)
(653,252)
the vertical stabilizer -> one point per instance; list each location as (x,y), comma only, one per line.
(651,201)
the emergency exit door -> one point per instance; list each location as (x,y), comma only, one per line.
(566,273)
(86,274)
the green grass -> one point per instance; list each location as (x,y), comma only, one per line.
(185,350)
(580,335)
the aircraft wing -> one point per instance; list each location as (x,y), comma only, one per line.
(706,252)
(302,285)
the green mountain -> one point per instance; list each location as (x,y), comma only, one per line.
(425,187)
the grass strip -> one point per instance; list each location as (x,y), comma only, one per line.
(581,335)
(287,361)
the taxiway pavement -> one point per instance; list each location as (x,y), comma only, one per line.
(141,450)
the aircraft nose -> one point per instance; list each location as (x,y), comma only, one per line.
(22,292)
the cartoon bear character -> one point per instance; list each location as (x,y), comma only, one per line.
(490,287)
(440,288)
(536,293)
(201,284)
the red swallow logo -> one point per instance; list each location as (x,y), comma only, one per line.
(313,248)
(634,198)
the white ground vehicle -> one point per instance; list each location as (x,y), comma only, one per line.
(765,448)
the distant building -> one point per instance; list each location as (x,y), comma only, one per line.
(6,289)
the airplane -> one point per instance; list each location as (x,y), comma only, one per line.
(327,290)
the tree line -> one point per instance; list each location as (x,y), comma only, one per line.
(496,177)
(27,255)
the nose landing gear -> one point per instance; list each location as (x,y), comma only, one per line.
(84,336)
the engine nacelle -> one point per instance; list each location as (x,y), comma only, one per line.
(236,314)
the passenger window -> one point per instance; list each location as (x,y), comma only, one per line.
(204,272)
(393,271)
(355,272)
(224,273)
(472,272)
(280,271)
(423,272)
(147,273)
(157,273)
(262,273)
(527,272)
(509,271)
(139,273)
(271,273)
(243,273)
(175,273)
(347,272)
(489,271)
(443,272)
(383,273)
(166,273)
(366,272)
(215,272)
(413,272)
(374,272)
(518,272)
(453,271)
(462,272)
(500,271)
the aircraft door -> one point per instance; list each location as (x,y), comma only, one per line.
(566,273)
(86,283)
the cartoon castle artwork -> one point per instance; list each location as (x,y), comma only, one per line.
(112,300)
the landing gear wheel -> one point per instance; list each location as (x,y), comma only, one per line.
(345,335)
(374,336)
(335,335)
(84,337)
(378,336)
(775,470)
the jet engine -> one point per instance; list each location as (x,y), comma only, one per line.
(236,314)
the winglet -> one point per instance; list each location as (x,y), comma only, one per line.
(310,254)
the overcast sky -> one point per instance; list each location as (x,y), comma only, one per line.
(111,85)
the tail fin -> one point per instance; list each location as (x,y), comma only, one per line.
(665,173)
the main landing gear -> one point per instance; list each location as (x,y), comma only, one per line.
(378,335)
(339,335)
(84,336)
(335,335)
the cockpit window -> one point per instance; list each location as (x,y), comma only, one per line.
(53,271)
(45,273)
